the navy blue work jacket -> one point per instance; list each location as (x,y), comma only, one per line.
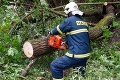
(76,31)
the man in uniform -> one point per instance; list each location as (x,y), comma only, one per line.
(77,38)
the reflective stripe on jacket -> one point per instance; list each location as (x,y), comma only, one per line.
(76,31)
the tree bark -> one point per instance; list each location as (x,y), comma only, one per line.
(96,31)
(115,36)
(37,47)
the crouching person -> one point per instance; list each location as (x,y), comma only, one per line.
(77,38)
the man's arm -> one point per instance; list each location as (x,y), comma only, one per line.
(61,28)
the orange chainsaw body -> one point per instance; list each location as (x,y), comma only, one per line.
(56,42)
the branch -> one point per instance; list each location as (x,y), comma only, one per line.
(14,3)
(13,28)
(89,4)
(51,10)
(57,12)
(28,66)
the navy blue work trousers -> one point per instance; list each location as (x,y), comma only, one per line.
(58,65)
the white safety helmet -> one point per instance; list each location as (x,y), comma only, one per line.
(72,7)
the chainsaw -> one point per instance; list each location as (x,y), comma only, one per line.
(56,41)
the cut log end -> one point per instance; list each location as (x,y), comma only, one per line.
(37,47)
(28,49)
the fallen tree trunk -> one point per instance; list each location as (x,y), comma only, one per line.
(107,20)
(34,49)
(37,47)
(96,31)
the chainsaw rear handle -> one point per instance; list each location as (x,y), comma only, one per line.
(49,33)
(62,47)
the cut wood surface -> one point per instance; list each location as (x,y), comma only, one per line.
(28,49)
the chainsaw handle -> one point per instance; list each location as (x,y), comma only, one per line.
(63,46)
(63,43)
(48,36)
(49,33)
